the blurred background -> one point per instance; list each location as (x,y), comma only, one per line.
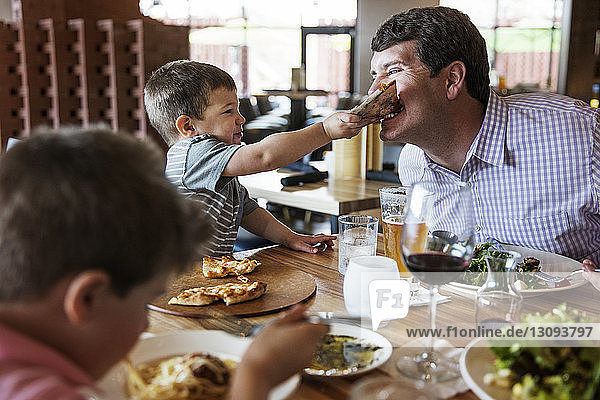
(72,62)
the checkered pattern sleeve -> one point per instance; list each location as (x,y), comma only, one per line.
(534,173)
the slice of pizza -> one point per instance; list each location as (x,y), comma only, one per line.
(227,265)
(233,293)
(230,293)
(199,296)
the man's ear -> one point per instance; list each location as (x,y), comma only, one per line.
(83,293)
(455,79)
(185,126)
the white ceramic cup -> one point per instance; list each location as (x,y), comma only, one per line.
(361,271)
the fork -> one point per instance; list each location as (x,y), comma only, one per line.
(550,278)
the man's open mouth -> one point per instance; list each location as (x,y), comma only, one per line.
(392,114)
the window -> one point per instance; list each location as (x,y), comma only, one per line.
(523,40)
(259,41)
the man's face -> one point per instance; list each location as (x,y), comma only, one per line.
(222,118)
(418,94)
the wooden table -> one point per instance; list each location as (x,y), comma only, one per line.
(297,103)
(335,197)
(329,297)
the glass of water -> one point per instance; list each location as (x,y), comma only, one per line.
(357,237)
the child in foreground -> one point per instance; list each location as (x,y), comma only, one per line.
(194,107)
(90,230)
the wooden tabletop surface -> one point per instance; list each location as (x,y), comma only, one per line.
(335,197)
(329,297)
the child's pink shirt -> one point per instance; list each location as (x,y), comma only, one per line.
(30,370)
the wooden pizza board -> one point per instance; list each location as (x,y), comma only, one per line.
(286,286)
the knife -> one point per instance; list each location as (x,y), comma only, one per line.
(329,318)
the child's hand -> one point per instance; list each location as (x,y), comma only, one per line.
(281,349)
(341,125)
(309,243)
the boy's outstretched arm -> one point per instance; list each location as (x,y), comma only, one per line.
(282,349)
(262,223)
(280,149)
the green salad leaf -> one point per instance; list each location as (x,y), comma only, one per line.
(544,373)
(476,273)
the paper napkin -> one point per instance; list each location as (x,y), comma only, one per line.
(421,298)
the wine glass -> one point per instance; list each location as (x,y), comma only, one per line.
(437,245)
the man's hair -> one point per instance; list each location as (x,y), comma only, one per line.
(90,200)
(181,87)
(443,35)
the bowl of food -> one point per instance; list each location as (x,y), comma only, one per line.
(349,350)
(186,364)
(543,371)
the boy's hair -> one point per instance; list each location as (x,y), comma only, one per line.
(443,35)
(89,200)
(181,87)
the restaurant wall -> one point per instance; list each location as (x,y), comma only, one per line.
(67,62)
(371,13)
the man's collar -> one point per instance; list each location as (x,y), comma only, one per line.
(489,143)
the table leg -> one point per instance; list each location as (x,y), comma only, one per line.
(297,113)
(334,224)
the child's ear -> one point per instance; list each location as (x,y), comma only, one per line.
(185,126)
(83,292)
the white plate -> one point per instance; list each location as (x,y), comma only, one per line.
(553,264)
(476,361)
(217,343)
(366,336)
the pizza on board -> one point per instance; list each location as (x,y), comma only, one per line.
(227,265)
(230,293)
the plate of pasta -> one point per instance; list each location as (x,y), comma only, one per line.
(190,364)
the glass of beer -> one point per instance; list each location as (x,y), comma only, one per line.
(393,202)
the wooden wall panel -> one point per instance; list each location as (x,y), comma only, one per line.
(156,54)
(40,72)
(102,81)
(11,99)
(78,63)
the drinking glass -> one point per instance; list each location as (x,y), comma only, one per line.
(357,237)
(443,213)
(393,201)
(498,301)
(387,388)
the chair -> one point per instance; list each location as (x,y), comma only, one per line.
(247,241)
(258,126)
(268,107)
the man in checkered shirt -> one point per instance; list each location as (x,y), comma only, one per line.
(532,160)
